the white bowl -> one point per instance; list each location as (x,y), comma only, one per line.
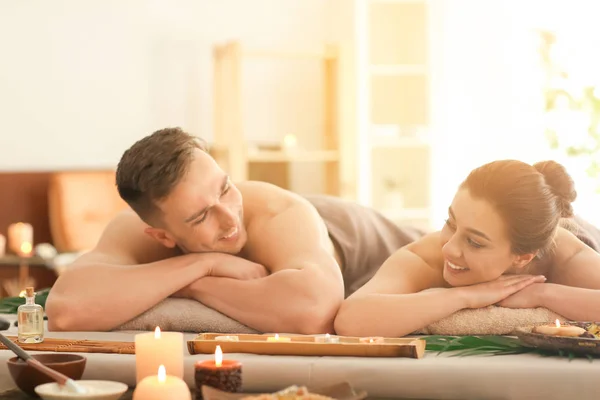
(97,390)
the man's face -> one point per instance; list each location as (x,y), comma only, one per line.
(204,212)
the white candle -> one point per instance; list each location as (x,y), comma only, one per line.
(162,387)
(371,340)
(278,338)
(327,338)
(558,330)
(158,348)
(19,235)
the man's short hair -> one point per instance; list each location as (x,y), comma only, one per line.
(149,170)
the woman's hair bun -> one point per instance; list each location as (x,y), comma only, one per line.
(561,184)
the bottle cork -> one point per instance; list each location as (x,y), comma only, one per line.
(29,291)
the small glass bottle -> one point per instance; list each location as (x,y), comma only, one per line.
(31,319)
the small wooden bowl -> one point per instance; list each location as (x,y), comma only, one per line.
(27,377)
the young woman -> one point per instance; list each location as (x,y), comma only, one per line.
(505,243)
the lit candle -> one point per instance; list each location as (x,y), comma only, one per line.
(327,338)
(155,348)
(18,234)
(558,330)
(162,387)
(225,375)
(375,339)
(277,338)
(25,250)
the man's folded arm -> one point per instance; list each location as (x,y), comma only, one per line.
(302,300)
(125,275)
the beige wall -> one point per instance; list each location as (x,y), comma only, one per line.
(81,80)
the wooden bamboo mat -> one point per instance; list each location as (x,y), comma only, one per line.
(16,394)
(77,346)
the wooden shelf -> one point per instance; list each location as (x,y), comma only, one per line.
(398,69)
(401,142)
(398,1)
(239,156)
(293,155)
(276,54)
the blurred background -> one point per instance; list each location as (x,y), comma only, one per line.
(387,102)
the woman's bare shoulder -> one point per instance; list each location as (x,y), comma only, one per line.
(429,249)
(566,245)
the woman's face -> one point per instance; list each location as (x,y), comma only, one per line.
(475,242)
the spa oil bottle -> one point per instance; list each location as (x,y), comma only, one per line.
(31,319)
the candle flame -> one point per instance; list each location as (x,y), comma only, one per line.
(26,248)
(218,356)
(557,323)
(162,373)
(157,333)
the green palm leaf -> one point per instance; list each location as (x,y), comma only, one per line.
(9,305)
(460,346)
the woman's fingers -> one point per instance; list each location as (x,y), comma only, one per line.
(519,285)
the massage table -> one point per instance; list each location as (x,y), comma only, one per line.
(82,203)
(523,376)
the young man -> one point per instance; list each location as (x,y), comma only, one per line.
(269,258)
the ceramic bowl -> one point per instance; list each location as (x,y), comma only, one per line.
(97,390)
(27,378)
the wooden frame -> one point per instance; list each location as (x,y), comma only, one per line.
(230,147)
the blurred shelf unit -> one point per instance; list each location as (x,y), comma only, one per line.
(245,160)
(393,73)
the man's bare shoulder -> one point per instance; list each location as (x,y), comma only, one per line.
(263,199)
(125,242)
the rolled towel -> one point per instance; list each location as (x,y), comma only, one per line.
(184,315)
(491,320)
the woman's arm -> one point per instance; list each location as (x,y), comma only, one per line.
(393,303)
(574,288)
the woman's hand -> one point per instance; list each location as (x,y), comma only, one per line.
(493,292)
(528,297)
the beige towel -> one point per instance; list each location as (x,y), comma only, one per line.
(184,315)
(491,320)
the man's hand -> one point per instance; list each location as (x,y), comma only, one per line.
(493,292)
(528,297)
(238,268)
(226,266)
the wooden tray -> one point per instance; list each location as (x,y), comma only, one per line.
(76,346)
(205,343)
(341,391)
(580,345)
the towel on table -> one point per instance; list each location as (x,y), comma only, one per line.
(491,320)
(184,315)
